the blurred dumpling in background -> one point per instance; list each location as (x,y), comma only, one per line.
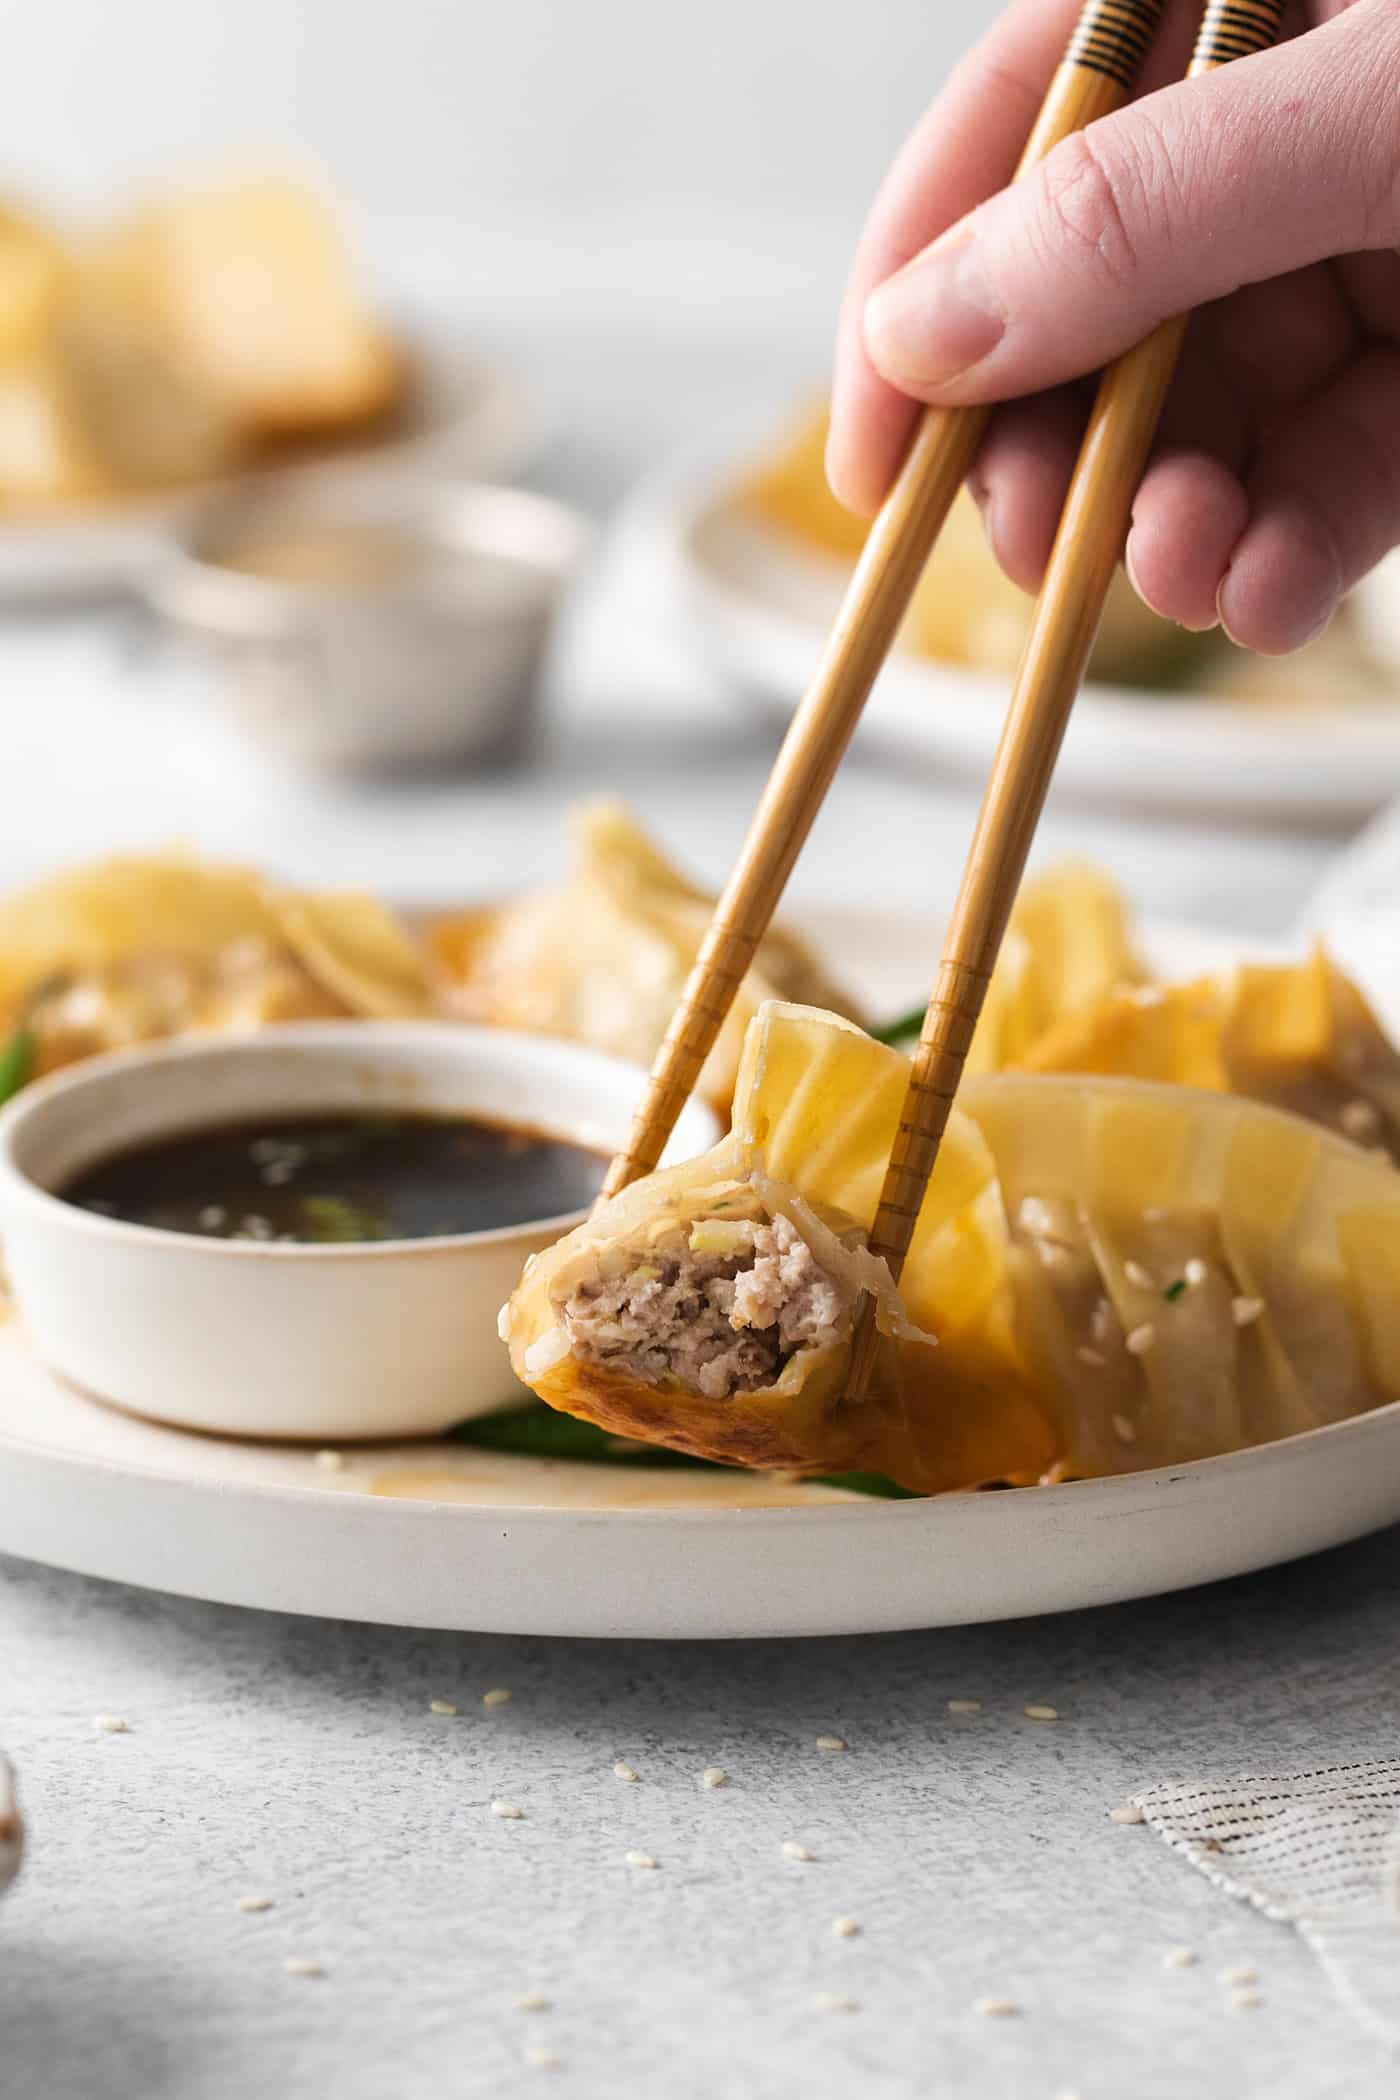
(181,342)
(965,610)
(250,281)
(46,455)
(149,414)
(603,957)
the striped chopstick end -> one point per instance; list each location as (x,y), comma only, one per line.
(1236,29)
(1113,37)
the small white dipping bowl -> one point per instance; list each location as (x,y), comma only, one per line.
(391,1338)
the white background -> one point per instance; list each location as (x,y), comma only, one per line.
(619,106)
(671,135)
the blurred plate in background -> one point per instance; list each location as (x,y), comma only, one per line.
(1356,911)
(757,607)
(462,418)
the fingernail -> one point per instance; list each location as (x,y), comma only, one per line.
(1130,566)
(1187,626)
(938,317)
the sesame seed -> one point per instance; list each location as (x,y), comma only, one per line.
(1244,2001)
(1245,1311)
(497,1696)
(441,1706)
(1180,1958)
(1041,1713)
(253,1903)
(792,1850)
(995,2008)
(964,1706)
(330,1461)
(212,1217)
(639,1859)
(302,1965)
(111,1724)
(1140,1340)
(1195,1272)
(1239,1975)
(844,1928)
(507,1811)
(1137,1275)
(834,2001)
(1095,1357)
(1128,1813)
(1147,995)
(1360,1119)
(532,2001)
(622,1771)
(832,1742)
(543,2060)
(1124,1430)
(714,1775)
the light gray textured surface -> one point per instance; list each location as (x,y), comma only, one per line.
(300,1758)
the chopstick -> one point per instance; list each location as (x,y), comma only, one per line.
(1093,528)
(1096,76)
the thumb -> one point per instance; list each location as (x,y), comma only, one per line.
(1260,168)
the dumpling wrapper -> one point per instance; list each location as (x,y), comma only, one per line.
(1299,1036)
(1116,1275)
(602,958)
(1068,947)
(132,948)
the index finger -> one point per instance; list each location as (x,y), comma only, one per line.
(965,147)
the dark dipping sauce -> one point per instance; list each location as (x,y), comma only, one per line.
(334,1180)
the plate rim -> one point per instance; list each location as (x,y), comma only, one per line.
(690,490)
(1059,1494)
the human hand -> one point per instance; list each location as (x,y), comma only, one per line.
(1266,194)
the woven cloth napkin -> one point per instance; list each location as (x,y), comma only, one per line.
(1319,1850)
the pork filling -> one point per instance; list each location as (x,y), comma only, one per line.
(719,1307)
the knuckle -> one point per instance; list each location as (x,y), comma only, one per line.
(1088,196)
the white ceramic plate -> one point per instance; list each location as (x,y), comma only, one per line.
(444,1535)
(1356,908)
(468,419)
(758,611)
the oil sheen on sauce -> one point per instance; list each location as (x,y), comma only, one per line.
(342,1179)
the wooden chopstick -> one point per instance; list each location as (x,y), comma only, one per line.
(1089,543)
(1096,76)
